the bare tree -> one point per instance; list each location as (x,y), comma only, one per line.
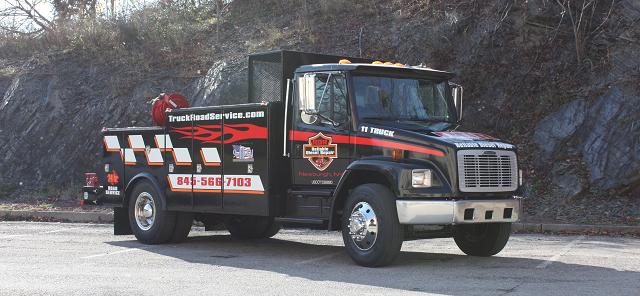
(24,17)
(221,10)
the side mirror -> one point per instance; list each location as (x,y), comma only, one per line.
(307,98)
(307,93)
(456,93)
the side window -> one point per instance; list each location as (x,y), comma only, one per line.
(330,101)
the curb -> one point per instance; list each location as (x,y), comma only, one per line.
(574,228)
(61,216)
(97,217)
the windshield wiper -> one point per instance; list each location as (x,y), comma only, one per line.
(378,118)
(426,120)
(429,120)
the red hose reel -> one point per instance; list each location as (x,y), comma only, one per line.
(163,102)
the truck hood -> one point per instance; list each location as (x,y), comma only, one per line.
(470,140)
(412,133)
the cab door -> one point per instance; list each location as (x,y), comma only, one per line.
(321,149)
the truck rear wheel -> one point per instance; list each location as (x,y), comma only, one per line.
(371,232)
(249,227)
(482,239)
(184,221)
(149,223)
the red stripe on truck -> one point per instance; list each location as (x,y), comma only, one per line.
(342,139)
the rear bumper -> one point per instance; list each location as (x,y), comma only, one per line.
(92,194)
(442,212)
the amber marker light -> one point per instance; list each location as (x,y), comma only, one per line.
(397,154)
(344,61)
(377,63)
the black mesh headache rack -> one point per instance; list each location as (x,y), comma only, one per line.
(268,72)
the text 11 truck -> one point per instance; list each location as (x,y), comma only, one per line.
(360,146)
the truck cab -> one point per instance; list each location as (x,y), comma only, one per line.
(392,125)
(360,146)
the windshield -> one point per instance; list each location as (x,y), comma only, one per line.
(409,99)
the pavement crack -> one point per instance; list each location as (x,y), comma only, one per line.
(510,290)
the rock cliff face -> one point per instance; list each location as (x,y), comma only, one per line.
(52,113)
(605,134)
(576,121)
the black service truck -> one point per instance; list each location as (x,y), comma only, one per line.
(365,147)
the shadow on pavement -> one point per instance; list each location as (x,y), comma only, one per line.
(412,271)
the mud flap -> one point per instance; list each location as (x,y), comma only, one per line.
(121,224)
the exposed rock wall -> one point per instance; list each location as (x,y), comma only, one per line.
(604,133)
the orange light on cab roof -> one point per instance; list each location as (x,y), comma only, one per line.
(397,154)
(377,63)
(388,63)
(344,61)
(399,65)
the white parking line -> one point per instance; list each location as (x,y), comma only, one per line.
(114,253)
(39,233)
(325,257)
(557,256)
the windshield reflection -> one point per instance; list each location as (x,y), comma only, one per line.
(403,99)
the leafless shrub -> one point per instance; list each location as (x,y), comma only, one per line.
(168,29)
(588,19)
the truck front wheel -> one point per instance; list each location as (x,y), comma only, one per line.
(250,227)
(482,239)
(371,232)
(149,223)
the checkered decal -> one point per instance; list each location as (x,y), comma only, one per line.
(153,155)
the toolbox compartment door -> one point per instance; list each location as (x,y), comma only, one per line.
(177,145)
(207,159)
(245,158)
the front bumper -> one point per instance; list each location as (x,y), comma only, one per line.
(444,212)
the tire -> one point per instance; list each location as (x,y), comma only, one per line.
(371,245)
(159,226)
(252,227)
(184,221)
(483,239)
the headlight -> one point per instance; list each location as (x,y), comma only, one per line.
(421,178)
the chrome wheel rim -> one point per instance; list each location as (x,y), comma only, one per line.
(145,211)
(363,226)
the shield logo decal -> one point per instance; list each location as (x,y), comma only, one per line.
(320,151)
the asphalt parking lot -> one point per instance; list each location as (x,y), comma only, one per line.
(84,259)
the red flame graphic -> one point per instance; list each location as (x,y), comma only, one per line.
(213,133)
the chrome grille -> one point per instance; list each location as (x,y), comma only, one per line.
(487,170)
